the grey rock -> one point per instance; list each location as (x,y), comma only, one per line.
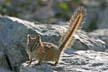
(11,39)
(101,34)
(83,41)
(13,32)
(73,61)
(3,61)
(39,68)
(5,70)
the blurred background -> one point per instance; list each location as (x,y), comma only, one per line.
(57,11)
(93,37)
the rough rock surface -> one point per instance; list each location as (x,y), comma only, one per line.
(74,61)
(101,34)
(3,61)
(13,32)
(5,70)
(84,41)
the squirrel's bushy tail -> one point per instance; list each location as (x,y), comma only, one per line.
(75,23)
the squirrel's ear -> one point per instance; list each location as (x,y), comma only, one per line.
(38,36)
(28,36)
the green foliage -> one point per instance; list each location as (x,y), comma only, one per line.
(4,10)
(64,16)
(64,6)
(40,2)
(77,1)
(64,10)
(8,2)
(11,9)
(7,10)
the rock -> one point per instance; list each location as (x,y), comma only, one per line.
(40,68)
(11,36)
(101,34)
(3,61)
(5,70)
(74,61)
(83,41)
(13,32)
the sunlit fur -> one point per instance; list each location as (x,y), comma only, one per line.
(44,51)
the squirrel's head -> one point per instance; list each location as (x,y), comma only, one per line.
(33,42)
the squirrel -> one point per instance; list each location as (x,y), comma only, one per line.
(44,51)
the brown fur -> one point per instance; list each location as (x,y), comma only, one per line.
(44,51)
